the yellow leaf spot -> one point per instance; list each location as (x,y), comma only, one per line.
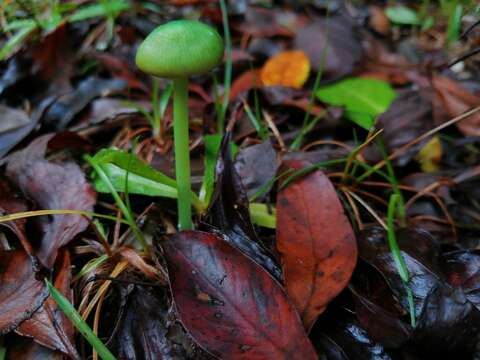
(430,155)
(288,68)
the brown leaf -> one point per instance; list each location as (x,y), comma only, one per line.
(230,305)
(315,240)
(455,100)
(48,326)
(344,48)
(52,186)
(20,292)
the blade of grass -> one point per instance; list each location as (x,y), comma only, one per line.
(396,253)
(261,215)
(78,322)
(27,214)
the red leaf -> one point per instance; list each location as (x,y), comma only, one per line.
(20,293)
(48,326)
(230,305)
(315,241)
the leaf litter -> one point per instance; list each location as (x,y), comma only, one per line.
(333,107)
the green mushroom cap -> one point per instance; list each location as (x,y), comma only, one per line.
(180,48)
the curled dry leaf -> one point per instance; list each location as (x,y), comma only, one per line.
(21,294)
(288,68)
(230,305)
(54,186)
(315,240)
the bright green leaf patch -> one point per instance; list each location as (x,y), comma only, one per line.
(402,15)
(363,99)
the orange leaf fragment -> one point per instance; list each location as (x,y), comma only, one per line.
(288,68)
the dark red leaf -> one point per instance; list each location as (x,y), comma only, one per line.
(21,294)
(48,326)
(229,212)
(448,325)
(315,241)
(52,186)
(419,251)
(230,305)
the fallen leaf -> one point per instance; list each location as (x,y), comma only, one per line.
(14,126)
(142,327)
(454,101)
(315,240)
(48,326)
(21,294)
(344,49)
(430,155)
(52,186)
(229,304)
(463,271)
(448,325)
(63,111)
(288,68)
(248,80)
(256,165)
(229,212)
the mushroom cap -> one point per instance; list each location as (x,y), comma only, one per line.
(180,48)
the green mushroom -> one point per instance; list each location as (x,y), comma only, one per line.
(178,50)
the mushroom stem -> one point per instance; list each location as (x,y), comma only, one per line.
(182,152)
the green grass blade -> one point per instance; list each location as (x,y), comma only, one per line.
(79,323)
(396,253)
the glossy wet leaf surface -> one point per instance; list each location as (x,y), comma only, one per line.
(230,305)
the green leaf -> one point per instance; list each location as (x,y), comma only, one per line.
(263,216)
(16,39)
(402,15)
(79,323)
(363,99)
(142,178)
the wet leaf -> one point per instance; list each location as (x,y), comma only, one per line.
(344,48)
(48,326)
(54,186)
(342,337)
(363,99)
(230,305)
(384,327)
(256,165)
(448,325)
(463,271)
(141,331)
(288,68)
(21,294)
(420,253)
(229,212)
(315,240)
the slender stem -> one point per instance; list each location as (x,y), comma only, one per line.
(182,152)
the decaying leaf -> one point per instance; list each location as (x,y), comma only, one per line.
(315,240)
(48,326)
(229,304)
(288,68)
(21,294)
(55,186)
